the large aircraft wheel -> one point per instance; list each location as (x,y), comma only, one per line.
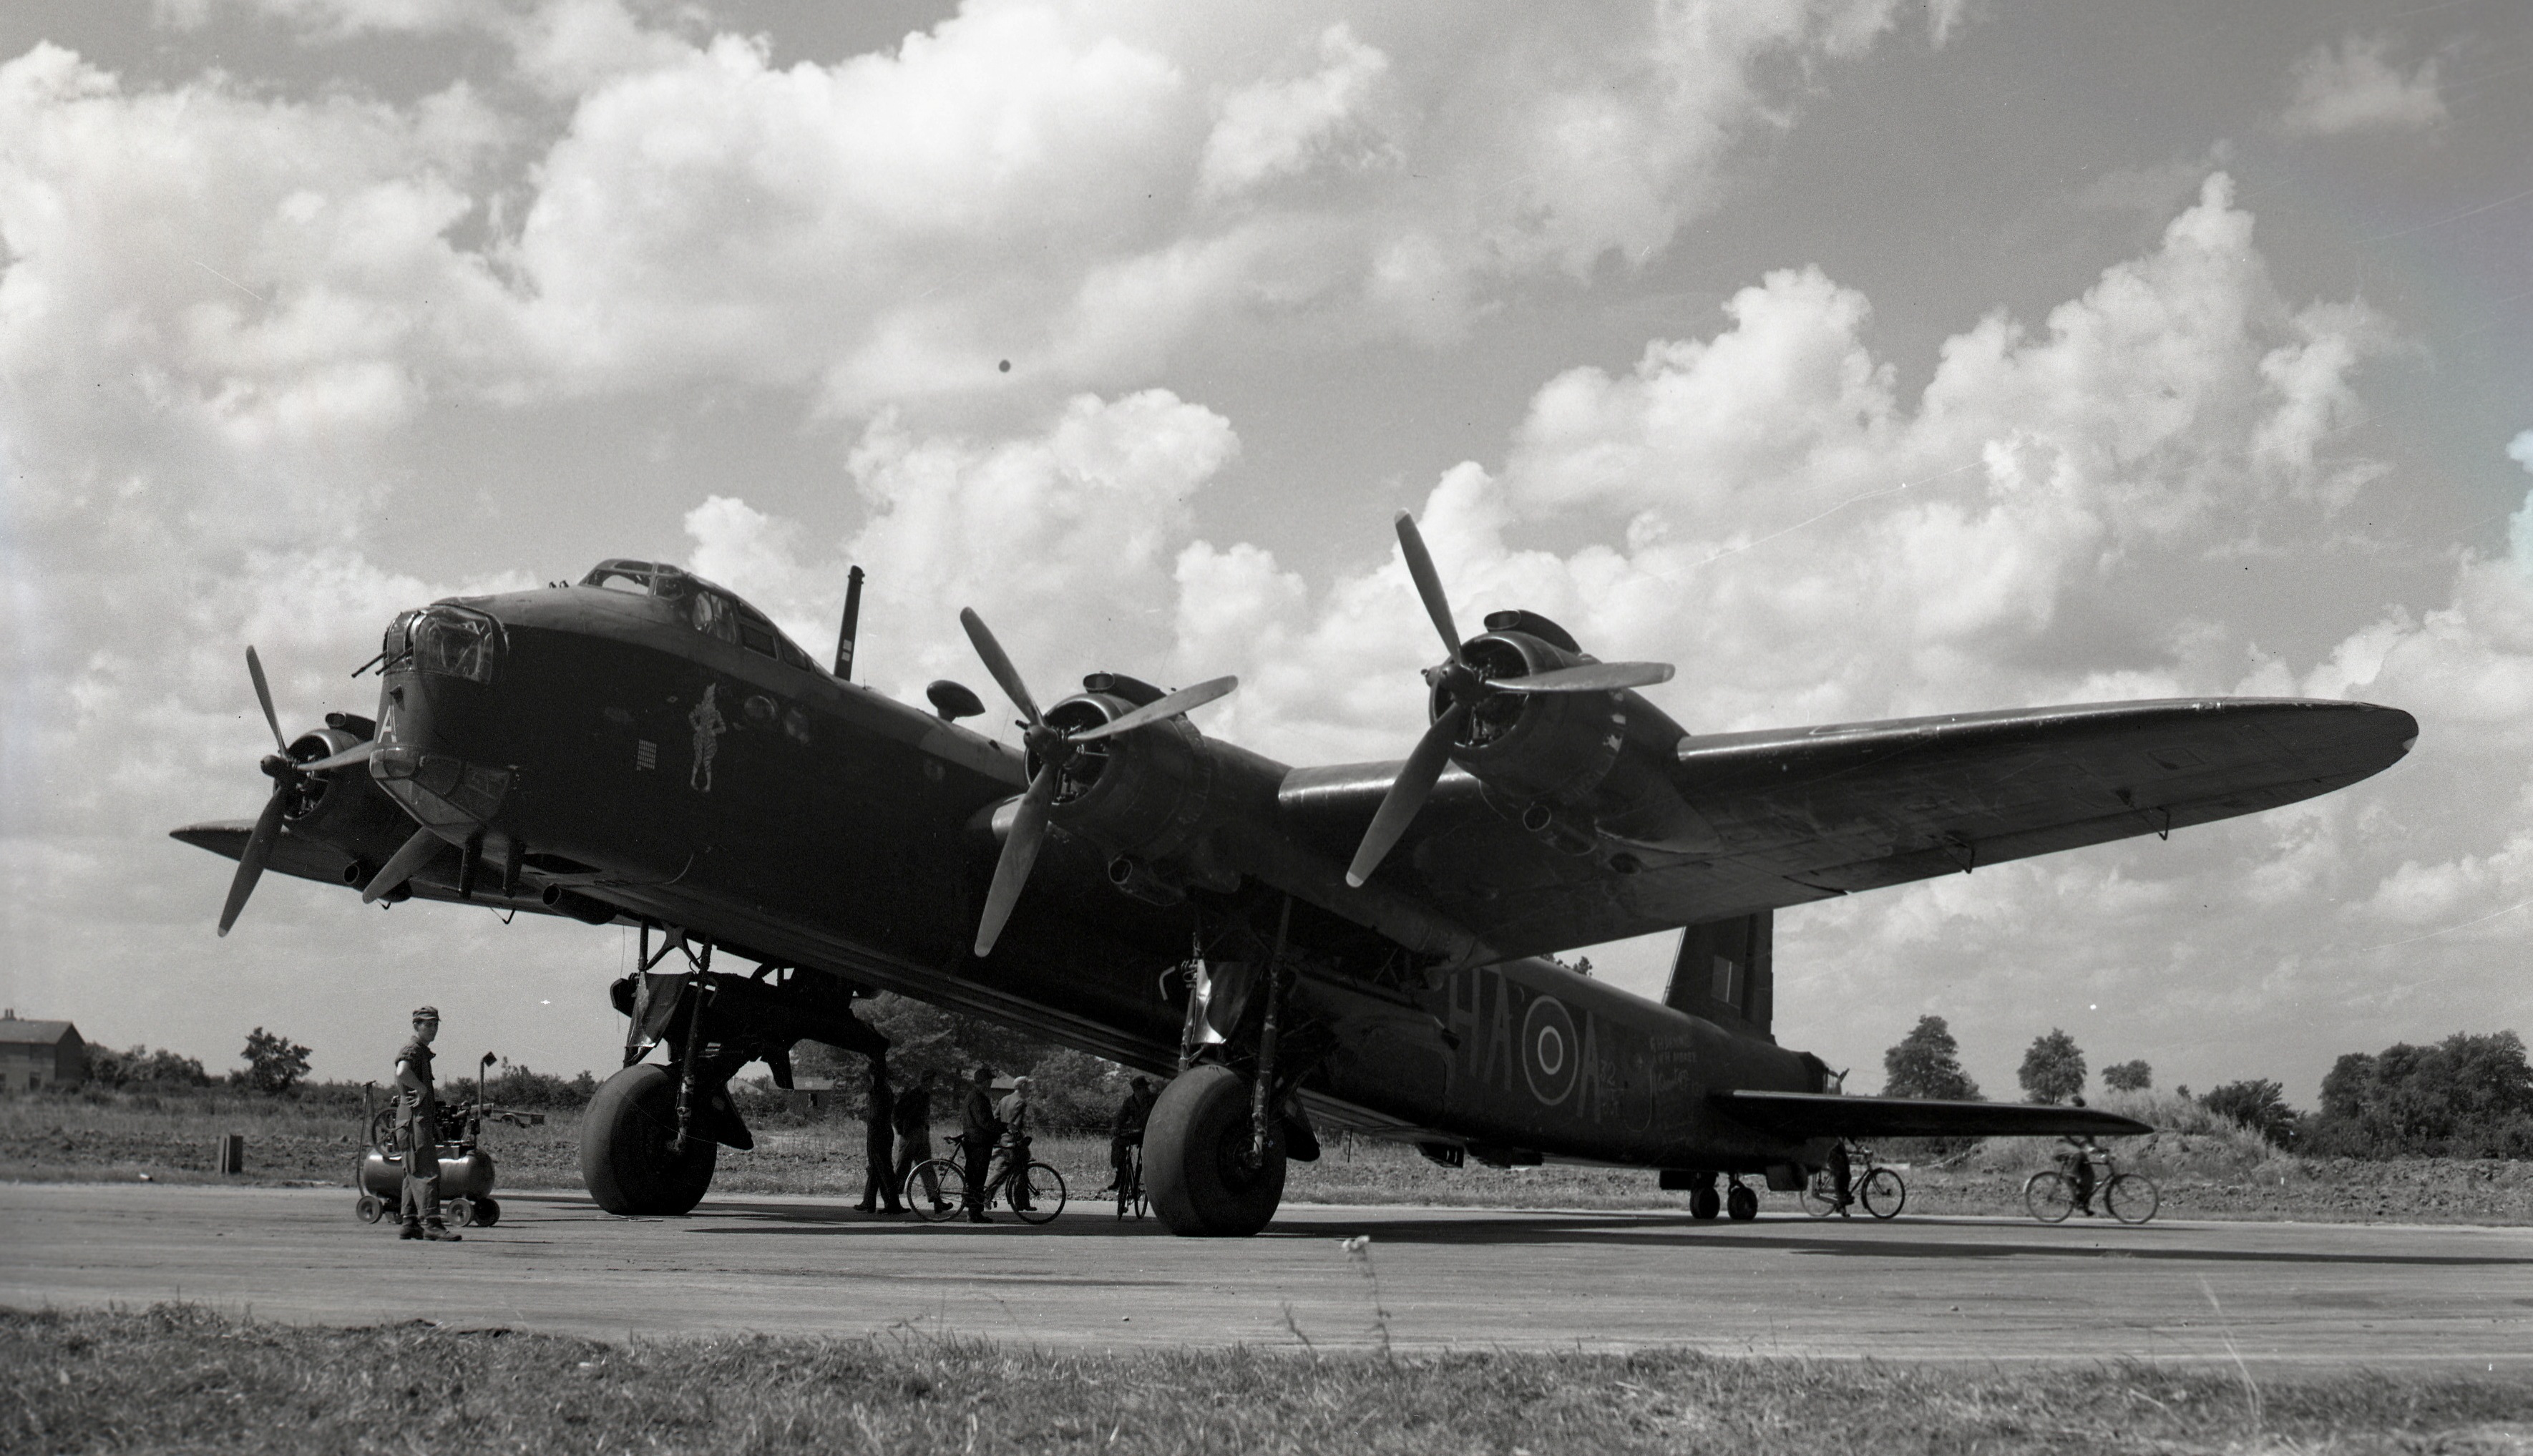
(1705,1202)
(624,1157)
(1196,1158)
(1741,1204)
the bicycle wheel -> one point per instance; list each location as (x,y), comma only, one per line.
(1036,1192)
(945,1175)
(1883,1192)
(2050,1195)
(1130,1189)
(2132,1197)
(1820,1196)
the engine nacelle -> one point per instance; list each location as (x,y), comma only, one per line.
(1532,747)
(1142,795)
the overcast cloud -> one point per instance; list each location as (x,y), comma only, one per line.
(1861,358)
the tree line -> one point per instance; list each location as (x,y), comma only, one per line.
(2467,1097)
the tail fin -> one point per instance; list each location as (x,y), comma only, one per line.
(1726,972)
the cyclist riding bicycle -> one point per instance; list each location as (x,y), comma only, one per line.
(2083,1156)
(1126,1130)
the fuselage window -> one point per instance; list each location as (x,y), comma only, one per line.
(712,614)
(755,633)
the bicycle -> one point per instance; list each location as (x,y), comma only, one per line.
(2049,1194)
(1034,1192)
(1132,1200)
(1879,1188)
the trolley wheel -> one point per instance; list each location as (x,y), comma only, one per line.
(1705,1202)
(945,1175)
(1819,1197)
(1043,1188)
(487,1212)
(369,1208)
(1883,1192)
(459,1211)
(1741,1204)
(2132,1197)
(2050,1195)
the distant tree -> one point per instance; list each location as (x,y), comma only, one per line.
(1927,1062)
(153,1068)
(2128,1076)
(2468,1097)
(2260,1105)
(274,1064)
(515,1086)
(922,1037)
(2053,1070)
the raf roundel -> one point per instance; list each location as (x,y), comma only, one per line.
(1550,1050)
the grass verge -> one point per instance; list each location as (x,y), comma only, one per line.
(180,1377)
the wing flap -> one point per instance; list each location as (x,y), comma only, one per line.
(1804,1115)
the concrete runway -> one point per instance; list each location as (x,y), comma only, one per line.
(2308,1296)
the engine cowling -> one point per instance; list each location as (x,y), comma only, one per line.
(1142,795)
(1556,748)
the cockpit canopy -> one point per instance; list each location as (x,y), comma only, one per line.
(702,606)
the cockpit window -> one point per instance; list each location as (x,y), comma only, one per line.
(701,606)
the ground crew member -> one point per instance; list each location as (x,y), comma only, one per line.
(2087,1150)
(1126,1130)
(978,1131)
(914,1126)
(420,1118)
(879,1194)
(1843,1173)
(1014,1111)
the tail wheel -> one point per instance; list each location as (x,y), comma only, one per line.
(1741,1204)
(933,1188)
(2051,1197)
(1883,1194)
(625,1159)
(1044,1190)
(2132,1197)
(1197,1167)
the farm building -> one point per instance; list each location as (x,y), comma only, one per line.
(39,1054)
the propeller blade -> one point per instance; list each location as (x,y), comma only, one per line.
(1185,700)
(1019,852)
(1429,583)
(417,853)
(1407,794)
(1000,665)
(264,695)
(1590,677)
(357,753)
(258,849)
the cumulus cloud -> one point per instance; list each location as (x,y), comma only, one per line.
(2355,87)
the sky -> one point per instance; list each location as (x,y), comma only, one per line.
(1864,358)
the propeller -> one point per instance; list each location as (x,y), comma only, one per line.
(1465,687)
(1054,748)
(288,777)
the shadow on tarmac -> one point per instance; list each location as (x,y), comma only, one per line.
(1631,1230)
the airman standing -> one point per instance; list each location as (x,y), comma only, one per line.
(978,1131)
(420,1118)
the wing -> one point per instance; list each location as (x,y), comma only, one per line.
(1804,1115)
(1735,823)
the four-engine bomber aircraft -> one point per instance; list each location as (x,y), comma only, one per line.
(1359,945)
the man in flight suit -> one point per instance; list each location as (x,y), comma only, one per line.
(420,1118)
(979,1130)
(879,1193)
(913,1125)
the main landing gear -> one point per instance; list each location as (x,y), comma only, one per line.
(630,1159)
(1739,1202)
(1200,1166)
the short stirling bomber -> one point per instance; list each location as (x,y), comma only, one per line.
(1364,946)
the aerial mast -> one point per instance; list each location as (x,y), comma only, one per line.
(853,623)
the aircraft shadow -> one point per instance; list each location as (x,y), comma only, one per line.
(1632,1231)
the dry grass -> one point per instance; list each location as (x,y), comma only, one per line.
(181,1378)
(2205,1169)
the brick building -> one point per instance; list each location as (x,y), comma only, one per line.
(39,1054)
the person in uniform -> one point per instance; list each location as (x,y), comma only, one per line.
(1126,1130)
(420,1120)
(914,1126)
(879,1193)
(1842,1172)
(978,1131)
(1013,1112)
